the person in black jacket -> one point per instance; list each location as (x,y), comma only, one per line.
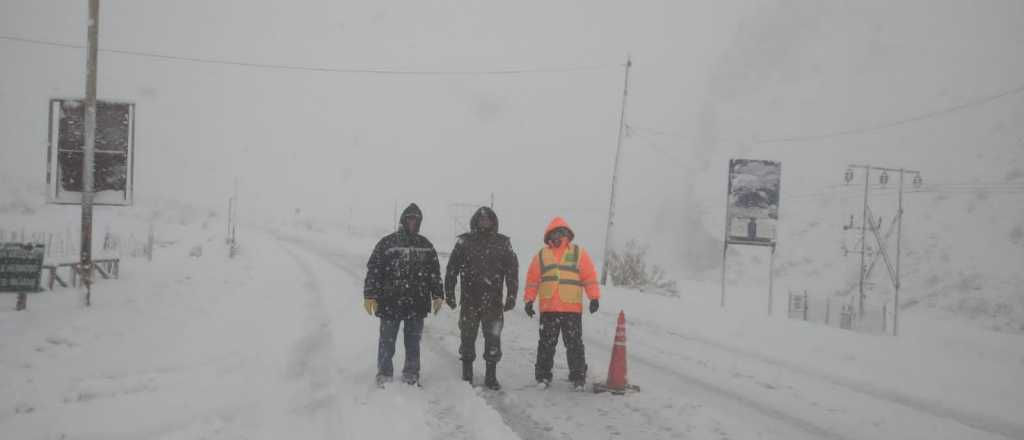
(485,261)
(403,284)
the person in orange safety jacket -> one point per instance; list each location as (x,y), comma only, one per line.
(559,275)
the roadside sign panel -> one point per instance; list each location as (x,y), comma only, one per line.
(20,266)
(115,145)
(753,209)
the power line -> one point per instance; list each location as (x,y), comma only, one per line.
(898,122)
(374,71)
(652,144)
(655,132)
(834,191)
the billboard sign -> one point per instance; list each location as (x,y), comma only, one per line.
(114,161)
(752,213)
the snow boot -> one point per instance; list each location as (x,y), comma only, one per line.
(543,384)
(467,371)
(579,386)
(412,380)
(490,378)
(382,380)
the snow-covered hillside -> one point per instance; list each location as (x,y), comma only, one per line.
(962,250)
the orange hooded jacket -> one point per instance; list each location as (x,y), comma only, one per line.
(588,276)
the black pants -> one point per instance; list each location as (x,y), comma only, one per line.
(468,326)
(571,327)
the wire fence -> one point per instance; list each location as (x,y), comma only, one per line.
(65,246)
(839,311)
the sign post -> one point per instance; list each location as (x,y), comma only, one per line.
(20,267)
(90,154)
(752,211)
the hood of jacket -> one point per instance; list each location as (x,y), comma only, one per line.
(558,222)
(474,222)
(410,211)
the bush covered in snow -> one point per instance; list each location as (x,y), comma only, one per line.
(628,268)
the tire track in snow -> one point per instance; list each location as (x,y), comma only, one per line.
(979,422)
(313,354)
(726,398)
(445,420)
(515,416)
(518,417)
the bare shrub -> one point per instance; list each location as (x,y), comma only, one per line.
(628,268)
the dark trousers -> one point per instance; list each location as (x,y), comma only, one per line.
(413,331)
(571,327)
(468,326)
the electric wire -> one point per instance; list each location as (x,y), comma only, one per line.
(291,67)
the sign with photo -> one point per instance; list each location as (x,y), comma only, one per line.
(752,213)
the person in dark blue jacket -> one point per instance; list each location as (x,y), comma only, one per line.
(403,284)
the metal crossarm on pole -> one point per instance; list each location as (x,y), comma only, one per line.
(884,252)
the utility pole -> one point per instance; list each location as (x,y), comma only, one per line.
(88,156)
(234,216)
(863,239)
(899,236)
(231,207)
(894,272)
(615,175)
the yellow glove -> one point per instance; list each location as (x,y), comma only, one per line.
(371,306)
(437,304)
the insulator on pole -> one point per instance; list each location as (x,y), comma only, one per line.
(848,176)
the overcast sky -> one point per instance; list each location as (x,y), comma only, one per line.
(814,84)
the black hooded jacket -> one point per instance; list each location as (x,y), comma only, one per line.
(403,273)
(485,261)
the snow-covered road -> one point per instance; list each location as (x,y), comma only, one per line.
(692,388)
(676,408)
(275,344)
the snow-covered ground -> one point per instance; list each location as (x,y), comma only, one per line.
(275,344)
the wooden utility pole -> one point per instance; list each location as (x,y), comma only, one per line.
(615,175)
(88,156)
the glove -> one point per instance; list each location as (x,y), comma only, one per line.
(510,303)
(594,305)
(529,309)
(451,302)
(371,306)
(437,304)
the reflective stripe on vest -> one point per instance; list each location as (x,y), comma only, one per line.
(565,275)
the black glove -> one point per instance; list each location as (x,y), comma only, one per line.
(529,309)
(450,301)
(510,303)
(594,305)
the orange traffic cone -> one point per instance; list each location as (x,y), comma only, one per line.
(617,382)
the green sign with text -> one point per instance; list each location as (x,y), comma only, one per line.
(20,266)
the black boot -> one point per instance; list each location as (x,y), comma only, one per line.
(490,378)
(467,371)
